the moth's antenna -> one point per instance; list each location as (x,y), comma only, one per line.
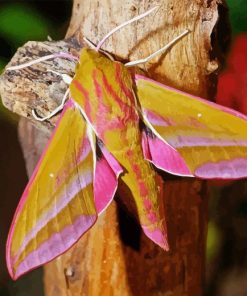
(138,17)
(161,50)
(55,111)
(64,55)
(91,45)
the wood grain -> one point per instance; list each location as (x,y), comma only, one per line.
(36,88)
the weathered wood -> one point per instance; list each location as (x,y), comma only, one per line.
(35,87)
(186,66)
(101,263)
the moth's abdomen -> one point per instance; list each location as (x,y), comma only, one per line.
(104,90)
(146,188)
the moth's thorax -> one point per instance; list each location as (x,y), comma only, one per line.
(91,59)
(104,90)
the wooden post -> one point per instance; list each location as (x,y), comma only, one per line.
(101,263)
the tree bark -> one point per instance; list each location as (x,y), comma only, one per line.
(106,261)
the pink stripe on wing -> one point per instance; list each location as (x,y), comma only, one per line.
(225,169)
(105,185)
(214,105)
(53,247)
(193,141)
(65,171)
(158,236)
(85,94)
(68,105)
(106,180)
(178,141)
(68,195)
(112,161)
(155,119)
(164,156)
(119,79)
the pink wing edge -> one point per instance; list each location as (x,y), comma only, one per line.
(200,173)
(214,105)
(163,156)
(70,103)
(106,180)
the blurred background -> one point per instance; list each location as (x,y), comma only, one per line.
(21,21)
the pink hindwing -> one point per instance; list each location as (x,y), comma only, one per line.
(106,179)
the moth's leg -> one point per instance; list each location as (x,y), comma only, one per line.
(64,55)
(138,17)
(55,111)
(66,78)
(161,50)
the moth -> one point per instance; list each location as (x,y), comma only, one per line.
(98,139)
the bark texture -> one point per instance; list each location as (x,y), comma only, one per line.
(114,257)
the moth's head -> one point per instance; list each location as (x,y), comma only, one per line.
(88,54)
(91,59)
